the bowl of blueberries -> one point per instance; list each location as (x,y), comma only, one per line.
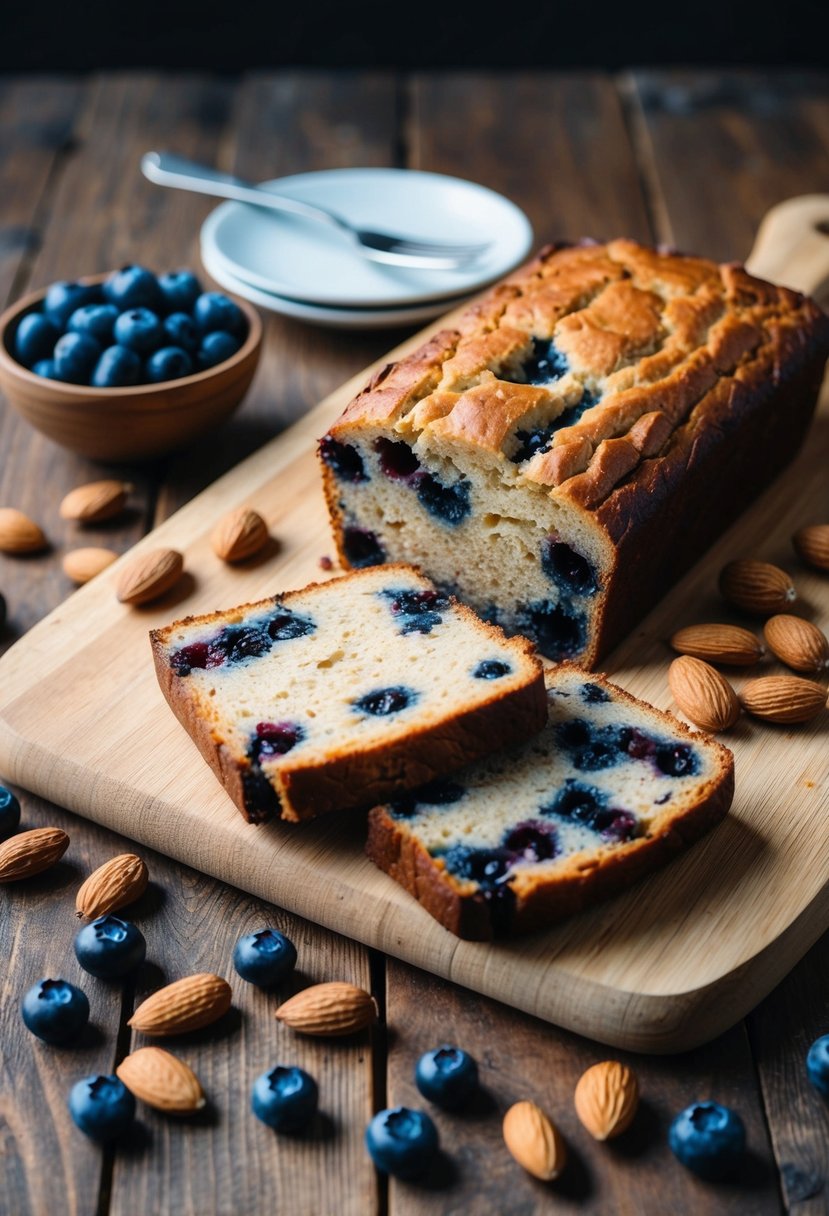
(128,365)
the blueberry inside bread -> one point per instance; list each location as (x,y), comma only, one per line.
(610,788)
(345,692)
(567,451)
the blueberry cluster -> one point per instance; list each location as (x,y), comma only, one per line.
(235,643)
(559,631)
(362,548)
(417,611)
(135,328)
(592,747)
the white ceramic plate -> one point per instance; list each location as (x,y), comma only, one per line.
(306,261)
(330,318)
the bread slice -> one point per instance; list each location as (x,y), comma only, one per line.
(611,789)
(346,692)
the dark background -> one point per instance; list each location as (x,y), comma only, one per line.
(226,36)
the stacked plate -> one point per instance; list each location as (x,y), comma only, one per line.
(303,269)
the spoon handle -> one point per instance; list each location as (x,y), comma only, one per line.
(165,169)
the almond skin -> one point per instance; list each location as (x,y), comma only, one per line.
(727,644)
(19,534)
(94,502)
(115,884)
(336,1008)
(757,588)
(703,694)
(185,1005)
(606,1099)
(149,575)
(161,1080)
(812,545)
(797,643)
(784,699)
(240,534)
(534,1141)
(82,565)
(30,853)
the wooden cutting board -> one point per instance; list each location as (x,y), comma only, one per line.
(664,967)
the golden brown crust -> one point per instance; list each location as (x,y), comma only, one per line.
(356,777)
(583,882)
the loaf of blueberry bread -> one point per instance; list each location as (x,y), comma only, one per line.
(346,692)
(611,789)
(578,440)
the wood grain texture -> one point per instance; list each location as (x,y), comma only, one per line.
(666,966)
(518,1058)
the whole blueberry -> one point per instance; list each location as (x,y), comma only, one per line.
(285,1098)
(264,958)
(75,357)
(140,330)
(215,348)
(46,368)
(169,363)
(708,1139)
(110,947)
(55,1010)
(9,812)
(182,331)
(402,1141)
(102,1107)
(817,1065)
(97,320)
(180,289)
(214,311)
(35,338)
(63,298)
(118,367)
(133,287)
(447,1076)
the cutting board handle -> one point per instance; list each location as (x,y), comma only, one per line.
(792,244)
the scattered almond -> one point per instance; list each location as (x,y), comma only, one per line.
(727,644)
(329,1009)
(240,534)
(797,643)
(812,545)
(118,882)
(534,1141)
(149,575)
(94,502)
(30,853)
(82,565)
(786,699)
(161,1080)
(606,1099)
(757,587)
(185,1005)
(703,694)
(18,533)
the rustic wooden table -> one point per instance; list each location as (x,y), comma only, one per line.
(691,159)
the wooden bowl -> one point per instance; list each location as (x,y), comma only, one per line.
(126,424)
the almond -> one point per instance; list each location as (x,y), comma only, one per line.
(187,1004)
(534,1141)
(82,565)
(94,502)
(757,587)
(728,644)
(703,694)
(118,882)
(149,575)
(785,699)
(329,1009)
(30,853)
(797,643)
(161,1080)
(606,1099)
(240,534)
(812,545)
(18,533)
